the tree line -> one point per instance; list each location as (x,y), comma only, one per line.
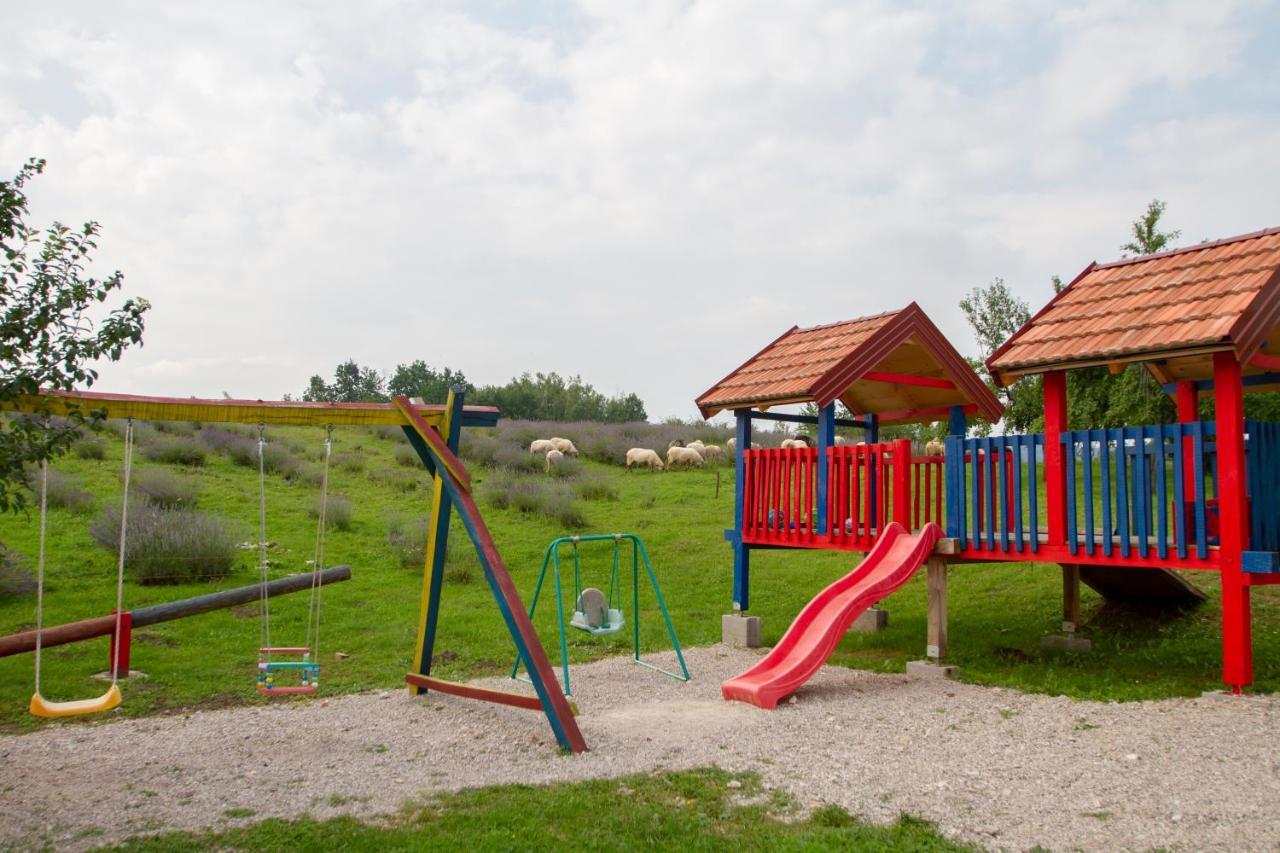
(536,396)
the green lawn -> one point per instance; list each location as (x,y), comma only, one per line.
(998,612)
(697,810)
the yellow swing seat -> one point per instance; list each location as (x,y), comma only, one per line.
(42,707)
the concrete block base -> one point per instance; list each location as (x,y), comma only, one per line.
(741,631)
(929,669)
(873,619)
(1066,643)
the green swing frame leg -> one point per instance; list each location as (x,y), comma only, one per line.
(552,558)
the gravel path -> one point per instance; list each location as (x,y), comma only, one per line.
(996,767)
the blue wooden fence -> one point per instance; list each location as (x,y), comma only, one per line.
(992,491)
(1262,465)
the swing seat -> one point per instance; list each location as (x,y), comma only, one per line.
(593,614)
(42,707)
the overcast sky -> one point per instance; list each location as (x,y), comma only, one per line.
(643,194)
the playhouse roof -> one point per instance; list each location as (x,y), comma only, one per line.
(1172,310)
(896,365)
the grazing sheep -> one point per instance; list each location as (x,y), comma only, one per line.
(711,451)
(643,456)
(935,448)
(794,442)
(541,445)
(683,456)
(732,444)
(554,458)
(675,442)
(696,444)
(841,441)
(565,446)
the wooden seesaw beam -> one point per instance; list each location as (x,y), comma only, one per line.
(102,626)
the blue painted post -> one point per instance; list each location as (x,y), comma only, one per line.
(872,431)
(957,424)
(442,508)
(741,551)
(953,471)
(826,439)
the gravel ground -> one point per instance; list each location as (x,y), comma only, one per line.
(996,767)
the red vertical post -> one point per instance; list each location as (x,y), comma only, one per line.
(1055,471)
(1188,412)
(118,653)
(902,482)
(1237,633)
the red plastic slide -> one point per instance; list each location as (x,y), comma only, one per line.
(813,636)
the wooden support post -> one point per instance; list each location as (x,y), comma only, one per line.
(1055,472)
(936,580)
(1070,598)
(1237,633)
(437,544)
(121,644)
(741,551)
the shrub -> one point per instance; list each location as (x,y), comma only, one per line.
(227,442)
(594,487)
(89,449)
(337,512)
(143,433)
(64,491)
(400,481)
(559,506)
(565,469)
(407,456)
(15,578)
(534,495)
(278,460)
(175,450)
(349,462)
(164,488)
(169,545)
(496,490)
(408,541)
(478,448)
(515,458)
(182,428)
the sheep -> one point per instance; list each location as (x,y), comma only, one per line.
(565,446)
(675,442)
(712,451)
(683,456)
(541,445)
(696,444)
(935,448)
(841,441)
(554,459)
(732,444)
(643,456)
(794,442)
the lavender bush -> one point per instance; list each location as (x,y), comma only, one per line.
(168,545)
(164,488)
(174,450)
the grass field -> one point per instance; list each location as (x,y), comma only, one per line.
(998,612)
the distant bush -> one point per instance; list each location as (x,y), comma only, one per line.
(183,428)
(518,458)
(277,459)
(168,545)
(400,481)
(565,469)
(15,578)
(89,448)
(175,450)
(338,512)
(408,541)
(478,448)
(143,432)
(533,495)
(64,490)
(228,442)
(164,488)
(407,456)
(349,462)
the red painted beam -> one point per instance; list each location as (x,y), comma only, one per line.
(472,691)
(58,635)
(1270,362)
(934,412)
(908,379)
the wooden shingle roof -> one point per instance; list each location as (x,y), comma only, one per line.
(1177,304)
(855,361)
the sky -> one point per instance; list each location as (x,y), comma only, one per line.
(643,194)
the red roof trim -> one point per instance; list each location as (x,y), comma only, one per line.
(1258,319)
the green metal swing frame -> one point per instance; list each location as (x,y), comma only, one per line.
(551,559)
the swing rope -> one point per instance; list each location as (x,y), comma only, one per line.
(40,559)
(264,598)
(313,606)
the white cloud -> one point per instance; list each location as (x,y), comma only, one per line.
(641,193)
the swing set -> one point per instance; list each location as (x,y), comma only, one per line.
(596,613)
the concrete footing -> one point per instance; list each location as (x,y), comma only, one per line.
(873,619)
(929,669)
(741,631)
(1066,643)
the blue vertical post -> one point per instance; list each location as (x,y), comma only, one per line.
(826,439)
(953,468)
(442,508)
(957,423)
(872,432)
(741,551)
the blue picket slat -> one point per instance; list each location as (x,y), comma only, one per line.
(1179,494)
(976,458)
(1197,456)
(1121,458)
(1087,462)
(1104,469)
(1069,447)
(1033,491)
(1016,497)
(990,495)
(1162,494)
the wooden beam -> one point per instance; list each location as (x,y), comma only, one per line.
(908,379)
(936,581)
(273,412)
(473,691)
(1070,598)
(933,412)
(1267,362)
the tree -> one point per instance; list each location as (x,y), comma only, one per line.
(1147,236)
(48,338)
(419,380)
(995,313)
(351,384)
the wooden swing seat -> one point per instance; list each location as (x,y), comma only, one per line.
(42,707)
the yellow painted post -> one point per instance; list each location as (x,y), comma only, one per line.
(437,543)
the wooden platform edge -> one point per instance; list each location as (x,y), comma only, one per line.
(946,546)
(487,694)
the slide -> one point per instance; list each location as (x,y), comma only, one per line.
(813,636)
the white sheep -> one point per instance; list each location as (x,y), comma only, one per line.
(732,444)
(935,448)
(683,456)
(554,459)
(675,442)
(541,445)
(565,446)
(794,442)
(696,444)
(643,456)
(712,451)
(841,441)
